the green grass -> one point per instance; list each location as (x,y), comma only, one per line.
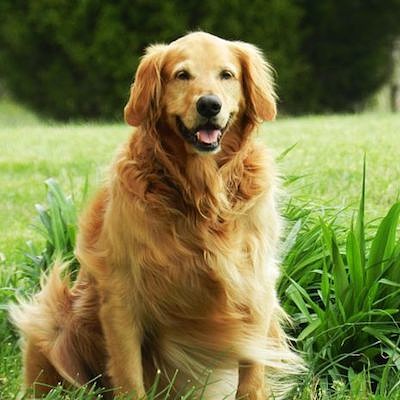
(342,287)
(325,252)
(329,151)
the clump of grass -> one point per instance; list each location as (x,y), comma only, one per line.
(86,392)
(342,288)
(58,227)
(155,392)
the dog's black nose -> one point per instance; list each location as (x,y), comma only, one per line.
(208,106)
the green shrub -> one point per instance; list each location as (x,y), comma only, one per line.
(76,59)
(57,224)
(348,48)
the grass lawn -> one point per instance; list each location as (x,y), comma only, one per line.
(329,152)
(327,155)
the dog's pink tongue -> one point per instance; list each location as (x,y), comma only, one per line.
(209,136)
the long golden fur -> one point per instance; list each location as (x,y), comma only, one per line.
(178,249)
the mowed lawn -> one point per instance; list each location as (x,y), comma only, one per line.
(327,154)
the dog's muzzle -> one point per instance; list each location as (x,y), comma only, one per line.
(205,137)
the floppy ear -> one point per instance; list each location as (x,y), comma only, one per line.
(258,83)
(144,100)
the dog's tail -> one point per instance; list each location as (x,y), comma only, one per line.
(47,322)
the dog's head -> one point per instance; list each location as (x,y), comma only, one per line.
(200,86)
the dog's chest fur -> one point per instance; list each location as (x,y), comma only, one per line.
(200,253)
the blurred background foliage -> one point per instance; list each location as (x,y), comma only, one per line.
(74,59)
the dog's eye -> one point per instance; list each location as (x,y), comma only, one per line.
(225,74)
(182,75)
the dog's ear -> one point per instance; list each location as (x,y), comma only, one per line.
(257,83)
(144,101)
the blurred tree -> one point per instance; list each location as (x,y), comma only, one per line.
(348,47)
(76,58)
(395,81)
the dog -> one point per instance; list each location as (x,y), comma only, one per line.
(178,250)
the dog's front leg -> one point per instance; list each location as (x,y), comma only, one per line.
(123,339)
(251,382)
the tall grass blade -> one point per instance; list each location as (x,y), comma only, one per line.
(383,245)
(359,230)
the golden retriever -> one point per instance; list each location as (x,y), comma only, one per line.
(178,251)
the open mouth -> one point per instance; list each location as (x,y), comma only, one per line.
(206,137)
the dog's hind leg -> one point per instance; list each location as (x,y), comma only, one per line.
(39,374)
(63,341)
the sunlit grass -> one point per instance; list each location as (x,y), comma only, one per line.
(329,152)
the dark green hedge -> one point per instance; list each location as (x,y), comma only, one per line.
(76,58)
(348,48)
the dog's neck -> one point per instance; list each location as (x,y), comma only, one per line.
(207,182)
